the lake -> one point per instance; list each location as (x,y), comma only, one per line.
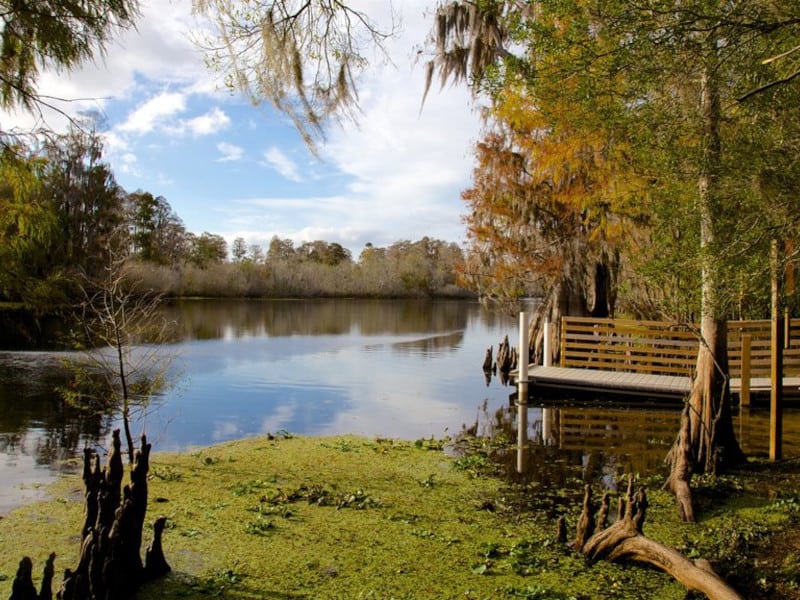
(405,369)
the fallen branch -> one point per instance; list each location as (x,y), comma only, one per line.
(624,541)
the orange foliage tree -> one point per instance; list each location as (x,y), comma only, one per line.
(554,196)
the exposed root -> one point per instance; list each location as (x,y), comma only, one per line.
(624,541)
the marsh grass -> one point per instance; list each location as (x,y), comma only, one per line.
(347,517)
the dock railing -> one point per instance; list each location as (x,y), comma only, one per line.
(758,333)
(663,348)
(651,347)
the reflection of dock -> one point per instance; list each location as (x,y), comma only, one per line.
(606,428)
(645,431)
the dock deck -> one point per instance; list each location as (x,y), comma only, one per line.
(636,384)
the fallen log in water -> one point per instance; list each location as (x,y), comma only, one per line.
(624,541)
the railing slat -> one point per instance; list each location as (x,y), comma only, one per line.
(661,347)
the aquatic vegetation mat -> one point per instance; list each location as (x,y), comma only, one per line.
(347,517)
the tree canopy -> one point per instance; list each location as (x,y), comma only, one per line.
(58,34)
(302,56)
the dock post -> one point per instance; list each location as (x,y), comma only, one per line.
(547,357)
(744,389)
(522,394)
(787,329)
(523,354)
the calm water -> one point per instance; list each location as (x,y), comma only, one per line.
(402,369)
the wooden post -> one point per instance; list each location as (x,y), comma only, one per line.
(744,389)
(547,355)
(523,356)
(786,329)
(776,362)
(522,394)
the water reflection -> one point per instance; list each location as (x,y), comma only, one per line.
(597,442)
(404,369)
(226,319)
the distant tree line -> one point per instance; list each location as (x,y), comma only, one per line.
(422,268)
(64,218)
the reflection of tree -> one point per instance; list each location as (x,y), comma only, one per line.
(430,346)
(41,425)
(212,319)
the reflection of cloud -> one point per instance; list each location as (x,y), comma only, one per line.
(24,479)
(224,430)
(284,370)
(394,414)
(279,420)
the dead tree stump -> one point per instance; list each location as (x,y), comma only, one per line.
(487,360)
(23,589)
(110,564)
(624,541)
(504,357)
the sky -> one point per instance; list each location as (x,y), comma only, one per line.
(238,170)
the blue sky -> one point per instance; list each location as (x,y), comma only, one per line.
(234,169)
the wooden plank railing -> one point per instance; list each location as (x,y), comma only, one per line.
(660,347)
(628,345)
(761,347)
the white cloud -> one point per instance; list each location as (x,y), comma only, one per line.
(409,166)
(164,179)
(128,164)
(209,123)
(230,152)
(159,48)
(284,165)
(398,174)
(153,112)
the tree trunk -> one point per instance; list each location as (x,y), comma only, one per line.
(707,439)
(570,296)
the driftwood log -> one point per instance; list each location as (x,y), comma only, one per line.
(624,541)
(110,565)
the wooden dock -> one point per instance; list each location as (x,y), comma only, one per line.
(593,380)
(654,359)
(634,384)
